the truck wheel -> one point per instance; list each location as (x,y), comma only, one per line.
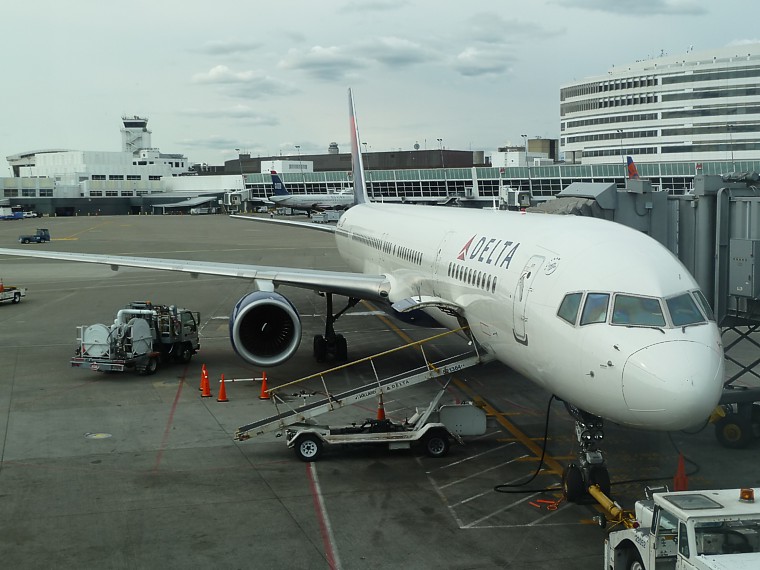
(633,560)
(572,483)
(437,443)
(150,367)
(16,298)
(25,240)
(185,354)
(308,447)
(733,433)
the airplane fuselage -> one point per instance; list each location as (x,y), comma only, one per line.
(509,273)
(314,201)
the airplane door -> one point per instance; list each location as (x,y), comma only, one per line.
(520,300)
(441,267)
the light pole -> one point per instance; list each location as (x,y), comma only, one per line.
(240,163)
(443,167)
(730,128)
(622,154)
(527,163)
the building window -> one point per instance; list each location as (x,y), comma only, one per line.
(96,193)
(46,193)
(116,177)
(134,177)
(29,192)
(127,193)
(112,193)
(10,192)
(154,177)
(98,176)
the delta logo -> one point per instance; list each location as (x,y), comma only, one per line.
(490,251)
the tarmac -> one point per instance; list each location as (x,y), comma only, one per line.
(126,471)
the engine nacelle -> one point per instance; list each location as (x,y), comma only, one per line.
(265,329)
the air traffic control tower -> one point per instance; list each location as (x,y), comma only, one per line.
(135,135)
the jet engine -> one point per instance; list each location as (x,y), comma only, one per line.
(265,329)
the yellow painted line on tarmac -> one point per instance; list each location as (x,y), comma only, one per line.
(552,463)
(74,236)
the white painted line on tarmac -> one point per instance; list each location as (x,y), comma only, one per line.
(331,551)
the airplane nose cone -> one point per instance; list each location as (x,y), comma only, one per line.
(673,385)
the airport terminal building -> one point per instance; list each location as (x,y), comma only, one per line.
(693,107)
(677,116)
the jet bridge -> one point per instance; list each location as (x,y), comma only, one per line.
(287,415)
(714,229)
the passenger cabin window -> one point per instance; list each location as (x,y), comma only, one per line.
(595,308)
(630,310)
(568,310)
(683,310)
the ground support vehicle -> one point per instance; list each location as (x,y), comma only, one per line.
(40,236)
(682,530)
(431,430)
(739,422)
(12,294)
(142,336)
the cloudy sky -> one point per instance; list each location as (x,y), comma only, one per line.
(267,76)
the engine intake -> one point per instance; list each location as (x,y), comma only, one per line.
(265,329)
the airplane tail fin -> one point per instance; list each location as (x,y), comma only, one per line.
(360,188)
(633,173)
(278,186)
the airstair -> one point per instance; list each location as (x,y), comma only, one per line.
(289,416)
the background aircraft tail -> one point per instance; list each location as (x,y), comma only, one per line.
(360,189)
(632,171)
(278,186)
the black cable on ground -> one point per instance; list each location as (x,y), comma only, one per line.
(512,487)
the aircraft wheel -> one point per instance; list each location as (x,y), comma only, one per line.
(308,447)
(572,483)
(341,348)
(437,443)
(16,298)
(320,348)
(600,476)
(733,433)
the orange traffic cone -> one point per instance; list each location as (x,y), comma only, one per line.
(204,374)
(265,395)
(222,391)
(205,387)
(381,408)
(680,481)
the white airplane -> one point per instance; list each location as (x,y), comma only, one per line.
(596,313)
(309,202)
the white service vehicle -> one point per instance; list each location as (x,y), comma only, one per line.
(12,294)
(431,430)
(682,530)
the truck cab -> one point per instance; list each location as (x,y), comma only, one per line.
(689,530)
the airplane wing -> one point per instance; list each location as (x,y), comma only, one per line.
(363,286)
(306,225)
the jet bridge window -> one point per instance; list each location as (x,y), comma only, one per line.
(683,310)
(630,310)
(568,310)
(595,308)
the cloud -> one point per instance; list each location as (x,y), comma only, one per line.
(245,84)
(473,62)
(491,28)
(324,63)
(374,5)
(238,113)
(643,8)
(393,51)
(211,141)
(228,47)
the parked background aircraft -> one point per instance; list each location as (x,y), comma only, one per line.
(309,202)
(598,314)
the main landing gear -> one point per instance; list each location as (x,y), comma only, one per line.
(332,344)
(591,467)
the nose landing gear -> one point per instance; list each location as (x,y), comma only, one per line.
(591,467)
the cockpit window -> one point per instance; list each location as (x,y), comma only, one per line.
(683,310)
(595,308)
(637,311)
(568,310)
(704,304)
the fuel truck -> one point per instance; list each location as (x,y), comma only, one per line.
(142,336)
